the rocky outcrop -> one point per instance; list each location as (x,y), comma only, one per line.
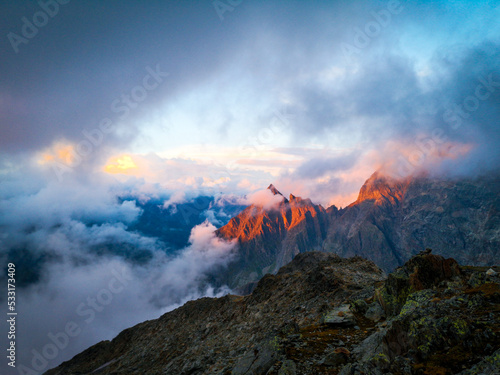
(421,272)
(380,189)
(448,322)
(392,220)
(439,321)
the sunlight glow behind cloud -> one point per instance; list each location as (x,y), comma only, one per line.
(61,152)
(121,164)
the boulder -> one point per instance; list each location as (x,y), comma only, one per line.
(288,368)
(423,271)
(337,357)
(340,316)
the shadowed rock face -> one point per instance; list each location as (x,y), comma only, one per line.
(316,316)
(391,221)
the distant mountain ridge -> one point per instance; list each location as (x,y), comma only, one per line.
(390,221)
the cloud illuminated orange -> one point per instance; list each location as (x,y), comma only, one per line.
(122,164)
(61,152)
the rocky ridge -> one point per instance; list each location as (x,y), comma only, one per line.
(322,314)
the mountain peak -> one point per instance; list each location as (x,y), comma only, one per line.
(274,190)
(380,187)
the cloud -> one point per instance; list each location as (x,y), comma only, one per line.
(53,217)
(318,167)
(103,296)
(337,180)
(211,217)
(389,115)
(265,199)
(85,88)
(177,197)
(183,275)
(261,60)
(69,240)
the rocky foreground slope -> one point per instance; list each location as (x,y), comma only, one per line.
(322,314)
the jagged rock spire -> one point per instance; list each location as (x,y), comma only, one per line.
(274,190)
(277,192)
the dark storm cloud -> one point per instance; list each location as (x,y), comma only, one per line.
(88,55)
(318,167)
(385,101)
(67,76)
(427,59)
(91,53)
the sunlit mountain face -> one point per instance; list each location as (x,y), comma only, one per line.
(132,135)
